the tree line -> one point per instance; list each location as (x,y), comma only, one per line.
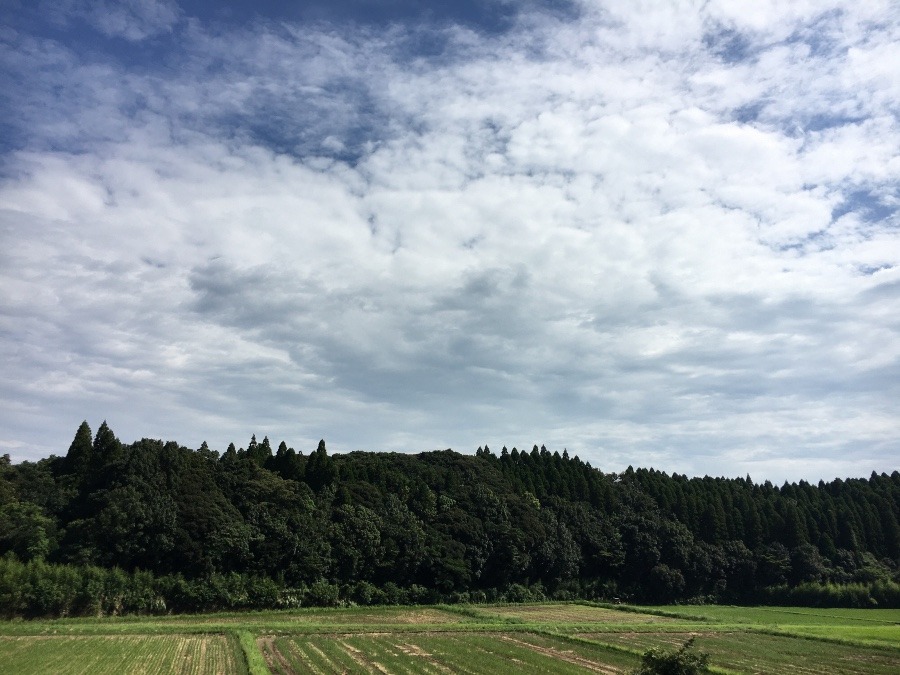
(153,526)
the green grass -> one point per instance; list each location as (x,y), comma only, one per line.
(805,616)
(531,638)
(887,636)
(753,652)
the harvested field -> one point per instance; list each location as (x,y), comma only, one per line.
(572,613)
(472,653)
(99,655)
(534,638)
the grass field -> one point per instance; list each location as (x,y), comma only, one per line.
(768,616)
(531,638)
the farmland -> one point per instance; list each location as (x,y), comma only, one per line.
(545,638)
(98,654)
(458,652)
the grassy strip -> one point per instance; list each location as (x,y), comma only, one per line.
(237,649)
(784,615)
(815,611)
(43,630)
(466,611)
(256,663)
(847,642)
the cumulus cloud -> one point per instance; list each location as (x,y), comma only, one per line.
(654,235)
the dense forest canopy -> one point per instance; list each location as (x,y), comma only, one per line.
(155,526)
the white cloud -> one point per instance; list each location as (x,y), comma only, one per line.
(573,233)
(133,20)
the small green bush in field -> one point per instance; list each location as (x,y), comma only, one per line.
(682,661)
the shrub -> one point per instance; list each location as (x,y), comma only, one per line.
(323,594)
(682,661)
(517,593)
(366,593)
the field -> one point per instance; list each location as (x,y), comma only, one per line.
(531,638)
(431,652)
(150,654)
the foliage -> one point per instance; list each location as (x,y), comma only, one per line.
(682,661)
(154,526)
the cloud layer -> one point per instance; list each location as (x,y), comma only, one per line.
(659,237)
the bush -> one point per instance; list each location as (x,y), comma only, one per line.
(393,594)
(264,592)
(478,597)
(366,593)
(683,661)
(419,595)
(323,594)
(517,593)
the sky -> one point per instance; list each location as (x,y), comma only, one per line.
(658,234)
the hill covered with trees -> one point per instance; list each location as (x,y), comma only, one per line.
(154,526)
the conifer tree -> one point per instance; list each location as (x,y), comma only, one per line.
(107,448)
(78,458)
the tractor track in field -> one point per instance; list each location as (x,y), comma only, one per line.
(567,656)
(272,656)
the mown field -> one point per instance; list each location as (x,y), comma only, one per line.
(150,654)
(531,638)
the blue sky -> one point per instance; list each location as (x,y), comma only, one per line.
(655,234)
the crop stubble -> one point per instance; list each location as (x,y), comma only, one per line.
(473,640)
(116,654)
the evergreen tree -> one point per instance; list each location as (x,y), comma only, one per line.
(320,469)
(79,457)
(259,453)
(107,449)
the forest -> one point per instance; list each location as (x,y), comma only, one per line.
(155,527)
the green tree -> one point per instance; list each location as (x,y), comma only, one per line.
(7,476)
(664,583)
(131,520)
(356,542)
(106,450)
(26,530)
(320,469)
(79,457)
(260,453)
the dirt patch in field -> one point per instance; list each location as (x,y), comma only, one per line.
(412,650)
(568,656)
(360,658)
(574,614)
(424,616)
(418,652)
